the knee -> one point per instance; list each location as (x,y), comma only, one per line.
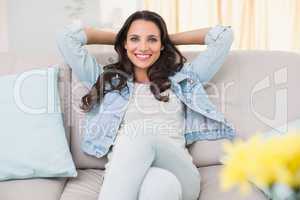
(160,184)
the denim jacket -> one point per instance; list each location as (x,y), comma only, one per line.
(203,121)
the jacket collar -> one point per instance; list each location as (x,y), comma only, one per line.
(178,77)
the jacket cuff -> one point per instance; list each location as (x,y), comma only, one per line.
(75,30)
(214,33)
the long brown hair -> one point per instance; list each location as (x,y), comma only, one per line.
(169,62)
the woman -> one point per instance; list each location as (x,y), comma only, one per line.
(145,109)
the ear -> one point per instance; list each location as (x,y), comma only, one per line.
(125,44)
(162,48)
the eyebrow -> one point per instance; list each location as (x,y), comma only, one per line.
(139,36)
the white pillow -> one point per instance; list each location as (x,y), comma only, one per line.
(32,135)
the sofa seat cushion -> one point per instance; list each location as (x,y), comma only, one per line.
(85,186)
(88,184)
(32,189)
(210,187)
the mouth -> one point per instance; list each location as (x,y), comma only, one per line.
(143,57)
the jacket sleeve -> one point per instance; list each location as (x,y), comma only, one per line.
(70,42)
(207,63)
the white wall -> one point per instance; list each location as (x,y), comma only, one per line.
(31,26)
(114,13)
(3,27)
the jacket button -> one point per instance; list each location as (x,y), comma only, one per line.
(191,81)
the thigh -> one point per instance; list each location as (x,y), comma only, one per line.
(134,156)
(177,160)
(160,184)
(128,164)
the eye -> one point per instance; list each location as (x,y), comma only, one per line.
(153,40)
(133,39)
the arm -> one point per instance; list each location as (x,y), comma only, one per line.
(96,36)
(189,37)
(218,40)
(71,41)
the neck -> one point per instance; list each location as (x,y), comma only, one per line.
(141,76)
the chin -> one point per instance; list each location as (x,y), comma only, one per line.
(142,65)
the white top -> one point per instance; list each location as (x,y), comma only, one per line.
(147,115)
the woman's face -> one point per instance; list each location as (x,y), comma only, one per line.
(143,43)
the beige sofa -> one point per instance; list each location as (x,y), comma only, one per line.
(257,91)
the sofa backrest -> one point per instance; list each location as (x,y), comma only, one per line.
(64,84)
(256,90)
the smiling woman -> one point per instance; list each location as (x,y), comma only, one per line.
(150,160)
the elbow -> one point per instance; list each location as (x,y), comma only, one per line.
(72,35)
(229,35)
(60,37)
(61,42)
(219,34)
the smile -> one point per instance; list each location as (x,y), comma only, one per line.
(143,56)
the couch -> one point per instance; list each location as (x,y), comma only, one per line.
(256,90)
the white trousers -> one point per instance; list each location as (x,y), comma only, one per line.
(149,168)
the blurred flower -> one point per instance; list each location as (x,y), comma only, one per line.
(266,162)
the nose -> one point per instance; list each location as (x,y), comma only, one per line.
(143,46)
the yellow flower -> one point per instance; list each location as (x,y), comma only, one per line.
(262,161)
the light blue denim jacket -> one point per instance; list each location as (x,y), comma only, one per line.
(203,121)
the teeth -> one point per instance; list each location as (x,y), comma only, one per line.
(142,55)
